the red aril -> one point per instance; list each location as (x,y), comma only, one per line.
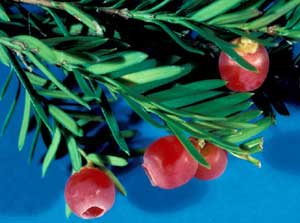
(90,193)
(215,156)
(238,78)
(168,164)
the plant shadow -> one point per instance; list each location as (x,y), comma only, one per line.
(153,199)
(282,152)
(23,191)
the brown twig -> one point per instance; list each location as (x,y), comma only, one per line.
(46,3)
(124,13)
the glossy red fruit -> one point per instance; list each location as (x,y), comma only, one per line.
(238,78)
(168,164)
(215,156)
(90,193)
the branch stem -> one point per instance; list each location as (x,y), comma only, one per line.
(60,5)
(46,3)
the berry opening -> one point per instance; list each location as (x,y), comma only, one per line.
(246,46)
(149,176)
(93,212)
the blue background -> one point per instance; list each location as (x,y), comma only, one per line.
(243,194)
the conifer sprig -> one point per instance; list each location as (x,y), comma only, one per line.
(98,65)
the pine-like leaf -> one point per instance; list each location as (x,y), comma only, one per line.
(157,77)
(35,45)
(36,79)
(115,160)
(145,65)
(223,45)
(68,211)
(86,19)
(74,153)
(113,124)
(6,83)
(53,78)
(277,12)
(230,110)
(51,150)
(75,43)
(11,109)
(245,116)
(248,133)
(3,16)
(187,144)
(235,17)
(215,8)
(95,159)
(58,21)
(294,19)
(176,38)
(35,139)
(142,113)
(83,84)
(25,122)
(154,74)
(216,104)
(190,99)
(4,59)
(181,90)
(117,62)
(65,120)
(31,91)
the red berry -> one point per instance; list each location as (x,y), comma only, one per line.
(238,78)
(90,193)
(168,164)
(215,156)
